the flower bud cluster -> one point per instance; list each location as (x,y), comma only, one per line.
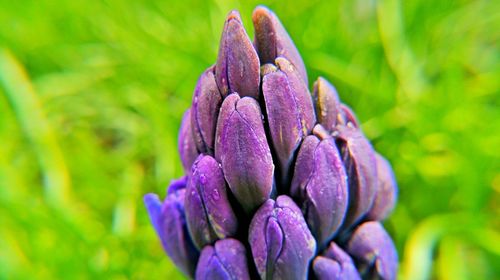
(281,182)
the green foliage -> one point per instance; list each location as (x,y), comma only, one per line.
(92,92)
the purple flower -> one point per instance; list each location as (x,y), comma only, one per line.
(335,264)
(282,245)
(169,222)
(281,183)
(361,167)
(225,260)
(238,67)
(208,212)
(372,248)
(320,185)
(272,40)
(387,191)
(242,149)
(187,144)
(204,111)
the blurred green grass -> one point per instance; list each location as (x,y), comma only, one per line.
(91,96)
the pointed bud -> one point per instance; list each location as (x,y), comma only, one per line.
(208,212)
(225,260)
(282,245)
(335,264)
(372,248)
(283,115)
(301,93)
(186,143)
(170,225)
(205,110)
(319,184)
(387,191)
(359,160)
(327,103)
(238,65)
(272,40)
(242,149)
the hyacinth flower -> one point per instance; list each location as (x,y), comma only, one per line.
(280,180)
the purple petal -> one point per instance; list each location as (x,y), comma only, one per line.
(238,66)
(327,103)
(208,212)
(272,40)
(186,143)
(301,93)
(225,260)
(176,185)
(170,225)
(359,160)
(335,264)
(320,185)
(205,110)
(243,150)
(387,191)
(374,251)
(347,117)
(283,117)
(282,245)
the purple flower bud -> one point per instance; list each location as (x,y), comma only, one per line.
(347,117)
(282,245)
(283,116)
(301,93)
(224,260)
(327,103)
(335,264)
(387,191)
(231,138)
(238,66)
(208,212)
(372,248)
(186,143)
(242,148)
(205,110)
(320,185)
(170,226)
(359,160)
(272,40)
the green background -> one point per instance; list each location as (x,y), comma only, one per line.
(92,92)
